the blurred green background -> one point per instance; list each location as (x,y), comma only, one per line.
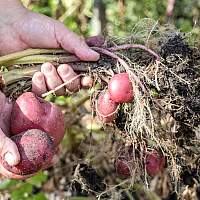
(107,17)
(117,17)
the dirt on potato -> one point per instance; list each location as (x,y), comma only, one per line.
(36,150)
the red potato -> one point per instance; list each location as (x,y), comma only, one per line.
(106,108)
(36,150)
(124,162)
(32,112)
(87,82)
(123,167)
(155,163)
(120,88)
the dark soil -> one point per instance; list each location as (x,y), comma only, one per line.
(179,95)
(180,80)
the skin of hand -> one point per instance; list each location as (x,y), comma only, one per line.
(47,79)
(21,29)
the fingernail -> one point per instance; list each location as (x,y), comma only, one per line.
(39,78)
(64,69)
(9,158)
(47,68)
(94,54)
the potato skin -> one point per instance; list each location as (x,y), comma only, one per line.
(32,112)
(120,88)
(106,108)
(122,167)
(155,163)
(36,150)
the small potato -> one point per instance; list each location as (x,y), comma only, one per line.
(155,163)
(36,150)
(124,162)
(32,112)
(120,88)
(122,167)
(106,108)
(87,82)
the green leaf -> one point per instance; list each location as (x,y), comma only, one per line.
(23,192)
(50,98)
(38,196)
(38,179)
(6,184)
(60,101)
(79,198)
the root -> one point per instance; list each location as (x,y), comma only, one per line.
(61,86)
(130,46)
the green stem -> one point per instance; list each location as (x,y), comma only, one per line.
(19,74)
(81,101)
(39,59)
(29,52)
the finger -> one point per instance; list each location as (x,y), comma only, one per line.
(74,44)
(52,78)
(5,114)
(8,150)
(38,84)
(67,73)
(11,175)
(40,31)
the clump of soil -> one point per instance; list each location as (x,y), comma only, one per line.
(179,80)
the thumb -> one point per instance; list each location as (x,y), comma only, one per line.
(71,42)
(8,150)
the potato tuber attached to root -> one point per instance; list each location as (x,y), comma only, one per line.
(32,112)
(106,108)
(36,150)
(155,163)
(87,82)
(124,162)
(123,167)
(120,88)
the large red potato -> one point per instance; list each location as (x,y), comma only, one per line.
(36,150)
(32,112)
(120,88)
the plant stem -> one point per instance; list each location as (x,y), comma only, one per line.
(39,59)
(19,74)
(29,52)
(80,101)
(139,46)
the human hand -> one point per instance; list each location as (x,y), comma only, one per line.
(8,149)
(21,29)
